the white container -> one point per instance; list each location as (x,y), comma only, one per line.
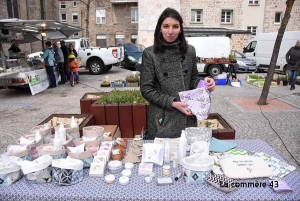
(37,136)
(129,166)
(62,132)
(175,160)
(126,173)
(222,76)
(73,123)
(110,179)
(124,180)
(114,166)
(167,150)
(57,141)
(182,147)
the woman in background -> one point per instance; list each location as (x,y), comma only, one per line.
(293,63)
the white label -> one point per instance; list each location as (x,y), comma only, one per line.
(119,36)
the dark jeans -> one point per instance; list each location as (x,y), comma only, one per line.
(50,72)
(293,76)
(61,69)
(67,71)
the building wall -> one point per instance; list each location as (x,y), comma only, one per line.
(253,15)
(149,12)
(272,6)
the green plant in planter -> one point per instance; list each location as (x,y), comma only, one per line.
(124,96)
(132,79)
(259,80)
(255,76)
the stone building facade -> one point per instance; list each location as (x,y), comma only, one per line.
(29,10)
(110,22)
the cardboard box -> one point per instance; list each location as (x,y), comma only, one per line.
(115,132)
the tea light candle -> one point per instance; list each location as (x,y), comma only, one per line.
(124,180)
(126,173)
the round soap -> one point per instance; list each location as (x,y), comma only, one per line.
(124,180)
(126,173)
(110,178)
(148,179)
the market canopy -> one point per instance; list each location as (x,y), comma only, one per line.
(50,29)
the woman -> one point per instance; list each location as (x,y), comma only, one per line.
(48,57)
(293,63)
(169,67)
(72,50)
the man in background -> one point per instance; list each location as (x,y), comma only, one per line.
(59,58)
(65,52)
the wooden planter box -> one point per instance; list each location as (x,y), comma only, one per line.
(87,121)
(86,101)
(132,84)
(223,134)
(131,118)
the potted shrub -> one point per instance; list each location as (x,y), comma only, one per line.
(132,81)
(126,108)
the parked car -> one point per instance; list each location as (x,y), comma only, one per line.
(244,64)
(132,54)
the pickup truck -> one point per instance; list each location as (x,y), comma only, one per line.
(96,59)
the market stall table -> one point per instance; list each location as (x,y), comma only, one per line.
(95,188)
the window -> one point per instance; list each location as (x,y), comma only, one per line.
(62,5)
(76,35)
(101,40)
(43,13)
(12,8)
(253,3)
(134,15)
(196,15)
(100,15)
(74,3)
(251,47)
(63,16)
(133,38)
(277,18)
(253,30)
(226,16)
(75,17)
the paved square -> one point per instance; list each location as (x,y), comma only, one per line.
(250,104)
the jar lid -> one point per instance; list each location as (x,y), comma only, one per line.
(114,164)
(110,178)
(129,166)
(166,167)
(124,180)
(126,173)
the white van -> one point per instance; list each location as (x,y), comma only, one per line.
(261,48)
(210,47)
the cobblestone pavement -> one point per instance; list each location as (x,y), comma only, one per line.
(20,111)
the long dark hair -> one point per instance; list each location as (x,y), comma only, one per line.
(158,38)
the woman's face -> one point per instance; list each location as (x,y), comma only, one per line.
(298,43)
(170,29)
(71,47)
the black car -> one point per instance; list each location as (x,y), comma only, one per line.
(132,53)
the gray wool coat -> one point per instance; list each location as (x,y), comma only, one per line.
(295,55)
(163,75)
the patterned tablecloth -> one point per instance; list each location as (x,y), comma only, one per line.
(95,188)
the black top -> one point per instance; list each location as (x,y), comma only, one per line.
(14,49)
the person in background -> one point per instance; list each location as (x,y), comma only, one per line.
(73,66)
(14,48)
(293,63)
(72,50)
(59,58)
(65,51)
(169,67)
(48,57)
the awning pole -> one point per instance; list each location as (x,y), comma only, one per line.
(43,43)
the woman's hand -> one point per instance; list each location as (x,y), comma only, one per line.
(211,85)
(181,107)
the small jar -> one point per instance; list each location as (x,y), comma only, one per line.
(166,170)
(129,166)
(110,179)
(126,173)
(124,180)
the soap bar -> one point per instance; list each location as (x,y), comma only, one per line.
(164,181)
(280,186)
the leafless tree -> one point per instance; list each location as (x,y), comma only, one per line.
(88,4)
(285,20)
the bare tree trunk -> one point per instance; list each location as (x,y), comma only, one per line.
(87,22)
(285,20)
